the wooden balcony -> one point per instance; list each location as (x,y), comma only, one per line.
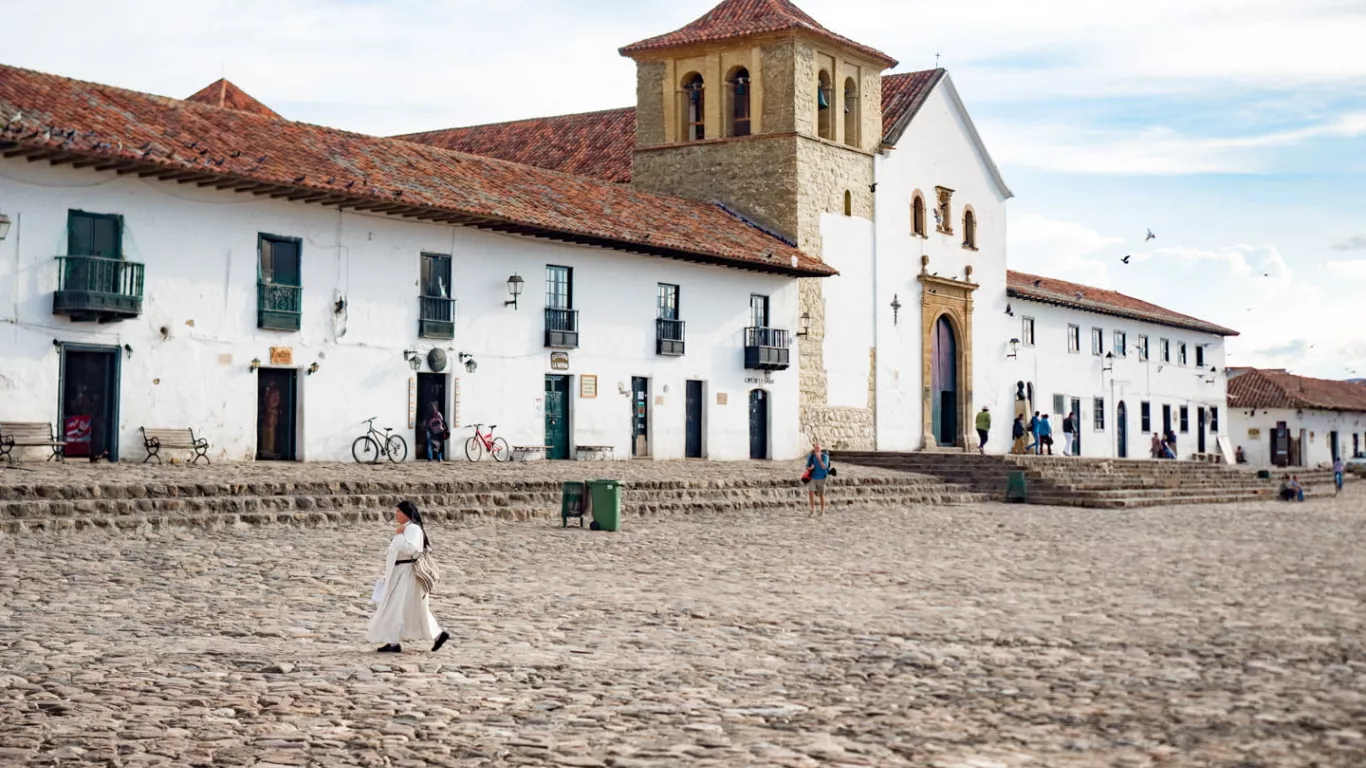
(436,318)
(94,289)
(669,337)
(561,328)
(278,307)
(767,349)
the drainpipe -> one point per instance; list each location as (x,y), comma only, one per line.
(877,350)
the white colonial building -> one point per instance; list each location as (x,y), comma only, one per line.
(1280,419)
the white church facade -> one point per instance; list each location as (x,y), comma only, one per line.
(778,243)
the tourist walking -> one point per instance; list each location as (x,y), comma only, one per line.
(1033,446)
(1017,435)
(1171,443)
(403,612)
(817,470)
(1156,449)
(1069,430)
(436,434)
(1338,469)
(1045,435)
(983,429)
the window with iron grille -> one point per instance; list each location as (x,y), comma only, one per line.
(1099,407)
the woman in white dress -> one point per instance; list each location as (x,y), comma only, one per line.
(403,613)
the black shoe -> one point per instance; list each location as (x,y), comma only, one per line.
(391,648)
(441,640)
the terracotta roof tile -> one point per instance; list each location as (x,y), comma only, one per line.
(596,144)
(48,117)
(222,93)
(1064,294)
(742,18)
(599,144)
(1278,389)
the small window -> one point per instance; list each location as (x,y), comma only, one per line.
(848,203)
(851,112)
(694,108)
(1121,344)
(1214,419)
(559,287)
(667,302)
(279,294)
(1181,353)
(1099,420)
(1059,404)
(1143,348)
(969,230)
(825,117)
(1185,416)
(1165,347)
(1200,355)
(739,88)
(1027,332)
(758,310)
(1097,342)
(918,214)
(280,260)
(1145,417)
(1073,338)
(436,276)
(943,208)
(94,234)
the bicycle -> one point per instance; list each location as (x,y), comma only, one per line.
(370,446)
(497,447)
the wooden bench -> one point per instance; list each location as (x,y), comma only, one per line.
(598,452)
(528,452)
(1209,458)
(29,434)
(156,439)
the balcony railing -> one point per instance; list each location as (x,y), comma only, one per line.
(278,307)
(669,337)
(562,328)
(92,288)
(767,349)
(437,318)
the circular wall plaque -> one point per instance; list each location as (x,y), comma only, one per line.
(436,360)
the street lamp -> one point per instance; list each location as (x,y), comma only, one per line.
(4,226)
(1014,348)
(1109,362)
(413,357)
(515,284)
(806,326)
(470,365)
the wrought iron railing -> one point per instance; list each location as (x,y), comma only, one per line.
(767,349)
(437,318)
(767,337)
(669,336)
(93,287)
(278,307)
(561,327)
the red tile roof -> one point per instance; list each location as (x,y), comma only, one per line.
(599,144)
(222,93)
(89,125)
(596,144)
(1084,297)
(1278,389)
(742,18)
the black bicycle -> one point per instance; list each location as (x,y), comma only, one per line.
(370,446)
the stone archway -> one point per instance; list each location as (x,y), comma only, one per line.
(946,319)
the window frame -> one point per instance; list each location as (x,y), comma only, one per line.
(1073,338)
(1027,328)
(551,286)
(74,215)
(1097,342)
(852,113)
(1199,355)
(1164,346)
(262,240)
(1121,339)
(1098,417)
(919,215)
(741,115)
(1143,347)
(694,129)
(1183,419)
(429,261)
(1182,353)
(1145,417)
(761,308)
(1214,419)
(825,115)
(969,228)
(666,301)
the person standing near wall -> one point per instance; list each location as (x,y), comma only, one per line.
(1017,435)
(1033,446)
(1338,469)
(436,434)
(1069,428)
(1045,435)
(983,429)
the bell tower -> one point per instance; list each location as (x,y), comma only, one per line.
(758,107)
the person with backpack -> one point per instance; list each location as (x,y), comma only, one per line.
(437,434)
(1034,446)
(1045,435)
(1017,435)
(983,429)
(817,470)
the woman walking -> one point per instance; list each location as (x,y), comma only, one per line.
(403,613)
(436,434)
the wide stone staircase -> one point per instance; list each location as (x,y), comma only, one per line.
(1097,483)
(150,505)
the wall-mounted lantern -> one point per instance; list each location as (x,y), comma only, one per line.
(896,310)
(312,369)
(806,326)
(515,284)
(413,357)
(1014,348)
(128,350)
(471,365)
(255,364)
(1109,362)
(4,226)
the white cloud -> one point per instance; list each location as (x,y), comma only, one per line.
(1060,249)
(1354,243)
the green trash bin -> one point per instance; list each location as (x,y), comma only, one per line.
(606,503)
(572,501)
(1015,488)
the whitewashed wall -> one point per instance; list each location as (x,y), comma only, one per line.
(200,248)
(936,150)
(1055,371)
(847,245)
(1317,427)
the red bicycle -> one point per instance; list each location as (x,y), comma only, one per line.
(496,447)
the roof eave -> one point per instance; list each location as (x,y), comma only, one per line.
(1017,293)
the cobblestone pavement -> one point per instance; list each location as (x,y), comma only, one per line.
(970,637)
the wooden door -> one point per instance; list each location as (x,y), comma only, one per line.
(693,447)
(557,418)
(640,416)
(758,424)
(1122,429)
(431,388)
(276,417)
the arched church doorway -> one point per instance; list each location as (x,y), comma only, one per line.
(944,382)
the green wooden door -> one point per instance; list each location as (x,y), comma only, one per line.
(557,417)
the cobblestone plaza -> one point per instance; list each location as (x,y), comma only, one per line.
(974,635)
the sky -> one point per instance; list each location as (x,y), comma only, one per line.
(1234,129)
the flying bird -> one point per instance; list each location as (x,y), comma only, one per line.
(1010,310)
(1150,236)
(1126,259)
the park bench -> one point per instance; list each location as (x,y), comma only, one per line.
(156,439)
(593,452)
(1209,458)
(528,452)
(29,434)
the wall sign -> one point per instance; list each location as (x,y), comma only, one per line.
(281,356)
(720,398)
(559,361)
(767,378)
(588,386)
(1254,432)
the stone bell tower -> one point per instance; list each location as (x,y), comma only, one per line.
(760,108)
